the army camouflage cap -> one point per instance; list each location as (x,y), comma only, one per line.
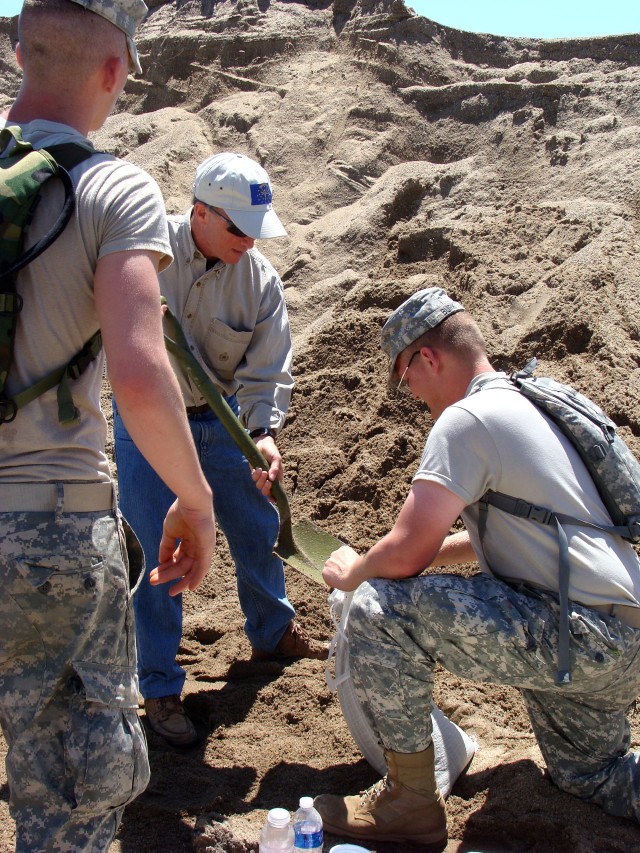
(125,14)
(425,310)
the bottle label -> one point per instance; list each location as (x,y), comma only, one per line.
(311,842)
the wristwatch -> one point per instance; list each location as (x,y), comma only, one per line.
(262,431)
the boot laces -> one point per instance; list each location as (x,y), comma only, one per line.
(368,797)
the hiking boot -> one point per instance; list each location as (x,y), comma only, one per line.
(294,643)
(389,811)
(168,718)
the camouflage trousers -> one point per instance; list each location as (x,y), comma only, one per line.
(68,686)
(485,630)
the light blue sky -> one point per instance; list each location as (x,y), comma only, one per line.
(537,19)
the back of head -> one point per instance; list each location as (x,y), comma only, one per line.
(459,335)
(63,42)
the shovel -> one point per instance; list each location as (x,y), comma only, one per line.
(304,547)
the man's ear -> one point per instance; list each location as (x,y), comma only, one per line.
(18,54)
(199,210)
(432,356)
(112,73)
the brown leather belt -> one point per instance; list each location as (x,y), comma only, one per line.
(198,410)
(624,612)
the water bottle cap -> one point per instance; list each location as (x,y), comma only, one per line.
(278,817)
(349,848)
(306,802)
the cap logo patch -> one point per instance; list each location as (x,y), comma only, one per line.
(260,194)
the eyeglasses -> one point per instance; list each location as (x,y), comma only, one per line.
(231,228)
(401,383)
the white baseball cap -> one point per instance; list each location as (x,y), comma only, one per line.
(240,187)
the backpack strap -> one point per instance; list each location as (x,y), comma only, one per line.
(43,166)
(523,509)
(54,161)
(68,414)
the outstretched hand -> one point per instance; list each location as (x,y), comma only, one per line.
(190,560)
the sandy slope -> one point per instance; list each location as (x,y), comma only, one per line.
(402,154)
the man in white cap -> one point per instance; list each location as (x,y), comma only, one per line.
(68,698)
(230,302)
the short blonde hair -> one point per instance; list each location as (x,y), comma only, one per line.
(458,334)
(61,42)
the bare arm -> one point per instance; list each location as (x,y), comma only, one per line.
(455,549)
(128,305)
(417,540)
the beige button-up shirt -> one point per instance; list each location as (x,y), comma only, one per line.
(235,319)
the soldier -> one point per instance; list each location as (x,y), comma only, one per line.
(500,625)
(68,688)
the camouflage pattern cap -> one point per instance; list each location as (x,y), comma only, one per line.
(125,14)
(425,310)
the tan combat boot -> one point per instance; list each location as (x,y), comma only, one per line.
(405,806)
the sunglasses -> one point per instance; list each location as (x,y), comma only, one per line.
(231,228)
(401,384)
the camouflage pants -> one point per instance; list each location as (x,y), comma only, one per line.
(68,698)
(485,630)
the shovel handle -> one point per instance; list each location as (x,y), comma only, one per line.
(179,347)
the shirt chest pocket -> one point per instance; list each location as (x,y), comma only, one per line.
(226,348)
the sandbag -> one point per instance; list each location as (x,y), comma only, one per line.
(454,749)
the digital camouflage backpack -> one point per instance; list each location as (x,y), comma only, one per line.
(613,468)
(23,171)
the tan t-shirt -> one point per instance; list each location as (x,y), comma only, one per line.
(118,208)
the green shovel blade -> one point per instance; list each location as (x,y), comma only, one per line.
(307,549)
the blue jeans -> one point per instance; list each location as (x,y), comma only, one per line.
(247,519)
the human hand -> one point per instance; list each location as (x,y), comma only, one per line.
(190,560)
(341,569)
(263,479)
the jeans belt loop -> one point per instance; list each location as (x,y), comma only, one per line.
(198,410)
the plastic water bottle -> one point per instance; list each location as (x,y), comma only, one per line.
(307,828)
(276,836)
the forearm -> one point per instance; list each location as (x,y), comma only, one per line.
(263,404)
(390,558)
(154,415)
(455,549)
(265,377)
(346,570)
(387,560)
(414,543)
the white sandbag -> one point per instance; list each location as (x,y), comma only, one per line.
(454,749)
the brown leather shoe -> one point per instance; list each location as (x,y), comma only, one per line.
(168,718)
(294,643)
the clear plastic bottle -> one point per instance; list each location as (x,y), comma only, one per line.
(307,828)
(276,836)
